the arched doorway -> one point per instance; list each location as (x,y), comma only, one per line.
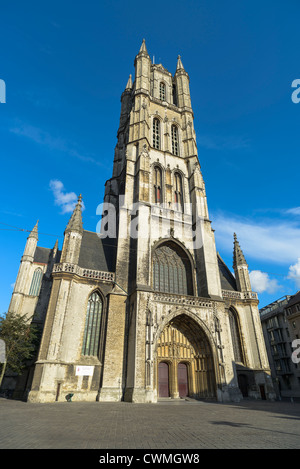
(184,348)
(163,380)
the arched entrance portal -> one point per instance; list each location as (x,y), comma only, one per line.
(184,352)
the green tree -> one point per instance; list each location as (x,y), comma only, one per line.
(20,338)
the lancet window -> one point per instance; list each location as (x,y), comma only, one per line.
(156,134)
(36,282)
(92,328)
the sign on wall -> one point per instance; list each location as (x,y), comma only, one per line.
(84,370)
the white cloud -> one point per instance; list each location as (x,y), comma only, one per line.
(261,282)
(294,272)
(66,200)
(269,240)
(293,211)
(42,137)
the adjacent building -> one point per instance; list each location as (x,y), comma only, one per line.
(277,329)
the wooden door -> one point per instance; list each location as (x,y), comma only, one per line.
(183,388)
(163,380)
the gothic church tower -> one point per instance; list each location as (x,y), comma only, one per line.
(147,309)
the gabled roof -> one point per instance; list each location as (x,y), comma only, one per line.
(227,279)
(96,253)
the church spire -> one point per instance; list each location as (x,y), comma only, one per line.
(75,222)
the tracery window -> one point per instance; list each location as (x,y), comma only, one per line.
(235,336)
(157,188)
(178,195)
(91,335)
(156,134)
(171,270)
(36,282)
(175,146)
(162,91)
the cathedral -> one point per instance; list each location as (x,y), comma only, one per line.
(144,308)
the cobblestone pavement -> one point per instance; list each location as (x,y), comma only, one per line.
(165,425)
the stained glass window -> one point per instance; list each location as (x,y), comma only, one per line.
(36,282)
(235,336)
(91,337)
(171,271)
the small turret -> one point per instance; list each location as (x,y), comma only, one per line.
(31,244)
(182,86)
(142,65)
(126,103)
(75,222)
(73,236)
(240,267)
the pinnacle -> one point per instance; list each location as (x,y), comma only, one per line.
(75,222)
(34,232)
(238,256)
(129,83)
(143,47)
(179,64)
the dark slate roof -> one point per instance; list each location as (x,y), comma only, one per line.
(96,253)
(41,255)
(227,279)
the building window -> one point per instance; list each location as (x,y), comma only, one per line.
(36,282)
(157,185)
(156,134)
(91,335)
(175,147)
(178,195)
(162,91)
(235,336)
(174,93)
(172,270)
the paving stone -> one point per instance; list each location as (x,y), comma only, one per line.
(165,425)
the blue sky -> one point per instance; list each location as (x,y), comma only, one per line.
(65,65)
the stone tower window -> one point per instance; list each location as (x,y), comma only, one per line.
(91,336)
(172,270)
(36,282)
(174,94)
(157,185)
(175,146)
(156,134)
(178,195)
(162,91)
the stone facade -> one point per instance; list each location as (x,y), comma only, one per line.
(174,321)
